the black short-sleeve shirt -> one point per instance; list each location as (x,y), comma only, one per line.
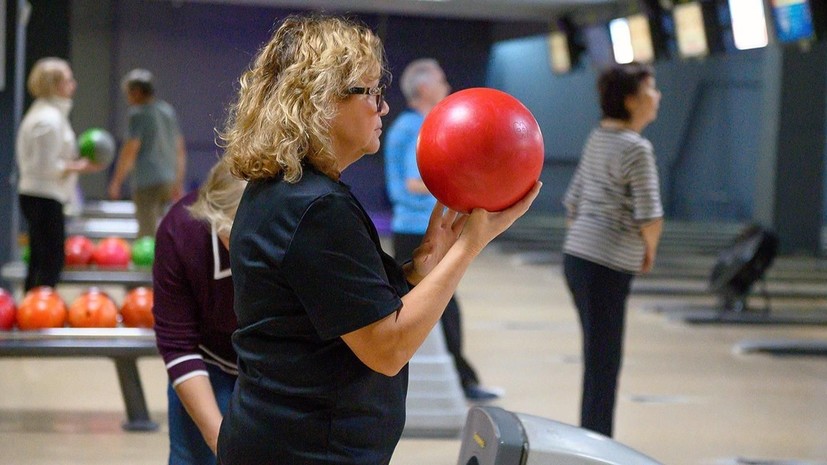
(308,268)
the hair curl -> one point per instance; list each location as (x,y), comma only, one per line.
(288,97)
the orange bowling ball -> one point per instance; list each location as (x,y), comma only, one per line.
(479,148)
(41,308)
(137,308)
(93,309)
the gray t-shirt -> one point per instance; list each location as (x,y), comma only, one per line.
(156,126)
(614,191)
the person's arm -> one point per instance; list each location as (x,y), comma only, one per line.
(199,401)
(650,232)
(180,168)
(648,210)
(124,166)
(571,198)
(451,244)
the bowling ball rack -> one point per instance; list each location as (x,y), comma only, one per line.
(122,345)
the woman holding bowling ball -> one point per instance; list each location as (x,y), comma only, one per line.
(615,218)
(327,320)
(48,162)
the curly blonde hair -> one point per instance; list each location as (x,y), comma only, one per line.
(289,95)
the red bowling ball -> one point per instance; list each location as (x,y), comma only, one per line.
(8,310)
(480,148)
(112,252)
(78,251)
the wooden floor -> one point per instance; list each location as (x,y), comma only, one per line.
(686,396)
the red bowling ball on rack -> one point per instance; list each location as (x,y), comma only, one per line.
(78,251)
(112,252)
(8,310)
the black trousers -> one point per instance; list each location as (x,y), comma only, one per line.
(403,247)
(47,233)
(600,295)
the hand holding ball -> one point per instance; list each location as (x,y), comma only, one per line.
(479,148)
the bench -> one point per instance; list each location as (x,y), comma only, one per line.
(123,345)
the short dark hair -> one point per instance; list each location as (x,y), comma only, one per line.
(140,80)
(618,82)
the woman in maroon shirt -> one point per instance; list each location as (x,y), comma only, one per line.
(194,316)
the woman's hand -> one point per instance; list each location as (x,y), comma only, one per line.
(447,227)
(483,226)
(444,228)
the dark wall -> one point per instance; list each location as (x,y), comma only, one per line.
(717,124)
(197,52)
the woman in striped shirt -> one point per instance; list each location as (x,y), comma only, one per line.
(615,218)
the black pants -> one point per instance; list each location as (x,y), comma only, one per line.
(600,295)
(46,236)
(403,247)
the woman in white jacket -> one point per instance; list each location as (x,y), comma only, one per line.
(48,161)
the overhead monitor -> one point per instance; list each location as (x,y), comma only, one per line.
(749,24)
(793,20)
(621,40)
(558,50)
(599,45)
(632,39)
(641,33)
(689,30)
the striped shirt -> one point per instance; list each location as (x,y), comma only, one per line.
(614,191)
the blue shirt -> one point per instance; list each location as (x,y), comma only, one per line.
(411,211)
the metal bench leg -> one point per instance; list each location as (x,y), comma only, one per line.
(133,396)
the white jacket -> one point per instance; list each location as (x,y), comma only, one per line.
(45,143)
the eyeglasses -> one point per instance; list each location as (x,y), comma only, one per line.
(378,92)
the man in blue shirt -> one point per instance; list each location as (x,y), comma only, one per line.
(423,83)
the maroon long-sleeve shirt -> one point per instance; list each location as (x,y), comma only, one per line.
(193,292)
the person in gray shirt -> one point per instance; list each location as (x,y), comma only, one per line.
(615,219)
(153,152)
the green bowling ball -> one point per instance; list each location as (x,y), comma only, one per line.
(97,145)
(143,251)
